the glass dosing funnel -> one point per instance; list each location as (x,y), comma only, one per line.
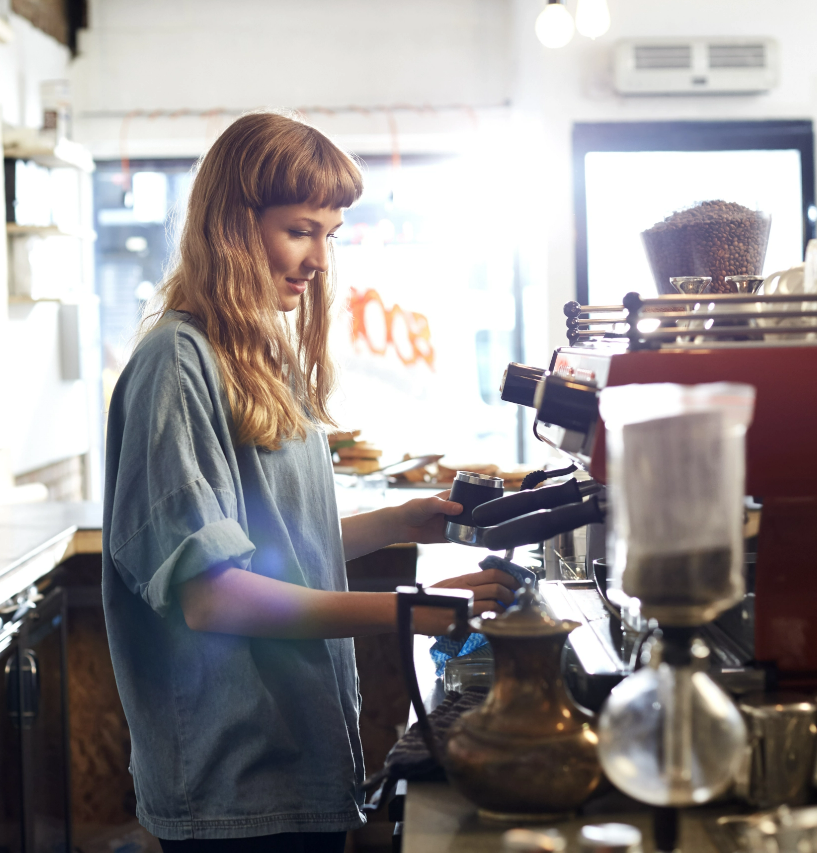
(675,478)
(689,285)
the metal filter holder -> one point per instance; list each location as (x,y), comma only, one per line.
(470,490)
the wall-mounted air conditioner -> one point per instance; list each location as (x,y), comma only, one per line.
(696,66)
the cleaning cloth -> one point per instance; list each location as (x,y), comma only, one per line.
(445,648)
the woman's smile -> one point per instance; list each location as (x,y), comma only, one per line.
(297,285)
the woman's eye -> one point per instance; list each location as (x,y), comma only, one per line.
(295,233)
(331,236)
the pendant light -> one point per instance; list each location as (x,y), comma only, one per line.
(554,26)
(592,18)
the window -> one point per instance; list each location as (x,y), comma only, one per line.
(136,216)
(630,176)
(426,268)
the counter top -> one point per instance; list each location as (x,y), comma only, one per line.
(439,820)
(36,537)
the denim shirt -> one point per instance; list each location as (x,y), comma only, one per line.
(231,736)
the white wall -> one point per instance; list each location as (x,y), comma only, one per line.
(206,55)
(50,415)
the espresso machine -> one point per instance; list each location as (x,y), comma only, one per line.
(769,639)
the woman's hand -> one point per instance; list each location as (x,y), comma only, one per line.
(493,592)
(423,519)
(420,520)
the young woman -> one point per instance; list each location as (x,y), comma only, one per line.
(224,585)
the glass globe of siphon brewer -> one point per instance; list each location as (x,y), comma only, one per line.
(668,735)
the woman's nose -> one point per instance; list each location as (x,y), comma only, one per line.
(318,258)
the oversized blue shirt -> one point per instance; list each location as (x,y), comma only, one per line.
(231,736)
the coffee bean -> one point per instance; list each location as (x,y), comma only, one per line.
(713,238)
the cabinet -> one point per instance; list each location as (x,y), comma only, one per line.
(11,754)
(34,783)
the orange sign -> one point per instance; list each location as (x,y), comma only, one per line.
(378,327)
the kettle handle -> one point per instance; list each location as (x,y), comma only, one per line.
(408,597)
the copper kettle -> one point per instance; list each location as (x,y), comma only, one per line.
(528,749)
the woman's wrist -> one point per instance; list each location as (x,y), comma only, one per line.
(396,525)
(370,531)
(432,621)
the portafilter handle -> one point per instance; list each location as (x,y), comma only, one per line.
(409,597)
(544,524)
(521,503)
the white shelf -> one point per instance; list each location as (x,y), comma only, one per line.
(72,298)
(24,143)
(15,230)
(16,299)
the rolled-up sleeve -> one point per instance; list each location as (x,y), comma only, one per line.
(187,533)
(170,488)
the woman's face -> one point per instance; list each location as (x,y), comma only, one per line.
(296,237)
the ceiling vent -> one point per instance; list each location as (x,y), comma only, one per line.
(696,66)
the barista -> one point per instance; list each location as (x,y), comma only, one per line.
(224,583)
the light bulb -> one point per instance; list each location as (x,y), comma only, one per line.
(554,26)
(592,18)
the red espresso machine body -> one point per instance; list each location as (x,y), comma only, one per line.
(781,470)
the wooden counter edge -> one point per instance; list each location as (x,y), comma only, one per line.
(84,542)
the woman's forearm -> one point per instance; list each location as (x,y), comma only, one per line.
(370,531)
(235,601)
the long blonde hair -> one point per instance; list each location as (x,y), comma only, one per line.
(277,375)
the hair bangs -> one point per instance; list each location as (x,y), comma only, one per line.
(315,172)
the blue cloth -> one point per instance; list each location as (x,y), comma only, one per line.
(445,648)
(231,736)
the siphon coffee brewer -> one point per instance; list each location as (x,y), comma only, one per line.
(668,735)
